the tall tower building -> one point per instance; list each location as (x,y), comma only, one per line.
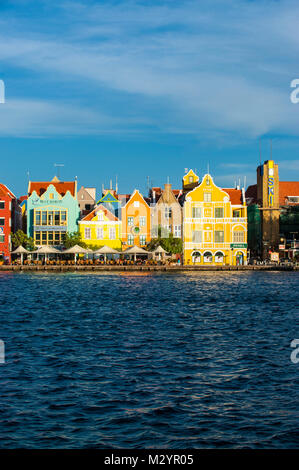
(268,198)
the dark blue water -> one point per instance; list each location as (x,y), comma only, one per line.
(155,360)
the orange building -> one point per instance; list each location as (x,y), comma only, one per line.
(136,221)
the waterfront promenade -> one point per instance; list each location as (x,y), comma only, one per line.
(172,268)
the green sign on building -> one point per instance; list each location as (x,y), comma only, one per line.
(238,245)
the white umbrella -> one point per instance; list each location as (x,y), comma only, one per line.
(76,250)
(159,251)
(20,250)
(46,250)
(136,250)
(106,250)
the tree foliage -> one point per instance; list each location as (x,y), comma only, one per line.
(21,239)
(72,239)
(170,244)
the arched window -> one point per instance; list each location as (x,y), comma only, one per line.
(196,257)
(208,257)
(219,257)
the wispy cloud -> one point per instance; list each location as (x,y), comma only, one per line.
(182,66)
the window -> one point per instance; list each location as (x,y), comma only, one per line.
(50,238)
(142,221)
(87,207)
(142,239)
(87,233)
(100,233)
(196,212)
(2,238)
(2,221)
(57,237)
(196,257)
(197,236)
(136,203)
(236,213)
(219,212)
(290,199)
(219,257)
(208,257)
(168,212)
(177,231)
(50,218)
(130,221)
(112,234)
(191,179)
(56,218)
(44,217)
(238,237)
(219,236)
(207,197)
(37,237)
(37,217)
(130,240)
(2,205)
(100,216)
(44,238)
(51,196)
(63,217)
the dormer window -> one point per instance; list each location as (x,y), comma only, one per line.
(191,179)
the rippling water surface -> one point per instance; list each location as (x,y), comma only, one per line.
(149,360)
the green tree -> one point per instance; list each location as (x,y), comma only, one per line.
(20,238)
(72,239)
(171,244)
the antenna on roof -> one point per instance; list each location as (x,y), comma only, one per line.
(58,165)
(208,168)
(270,149)
(167,179)
(28,175)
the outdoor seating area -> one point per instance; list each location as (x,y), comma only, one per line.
(77,255)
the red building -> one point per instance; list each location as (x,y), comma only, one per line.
(10,220)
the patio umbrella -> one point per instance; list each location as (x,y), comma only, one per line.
(46,250)
(76,250)
(159,251)
(20,251)
(136,250)
(106,250)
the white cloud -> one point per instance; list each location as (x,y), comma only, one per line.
(221,70)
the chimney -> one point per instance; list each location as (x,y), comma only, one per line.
(154,196)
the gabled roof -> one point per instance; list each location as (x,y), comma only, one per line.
(4,191)
(97,209)
(61,187)
(235,196)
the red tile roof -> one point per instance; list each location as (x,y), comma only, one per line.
(61,187)
(235,196)
(287,188)
(4,191)
(107,213)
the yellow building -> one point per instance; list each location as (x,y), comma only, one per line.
(215,225)
(100,227)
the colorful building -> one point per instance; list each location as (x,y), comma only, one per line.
(10,220)
(86,200)
(214,225)
(136,221)
(273,213)
(52,210)
(101,227)
(166,212)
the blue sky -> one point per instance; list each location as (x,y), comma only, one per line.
(147,89)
